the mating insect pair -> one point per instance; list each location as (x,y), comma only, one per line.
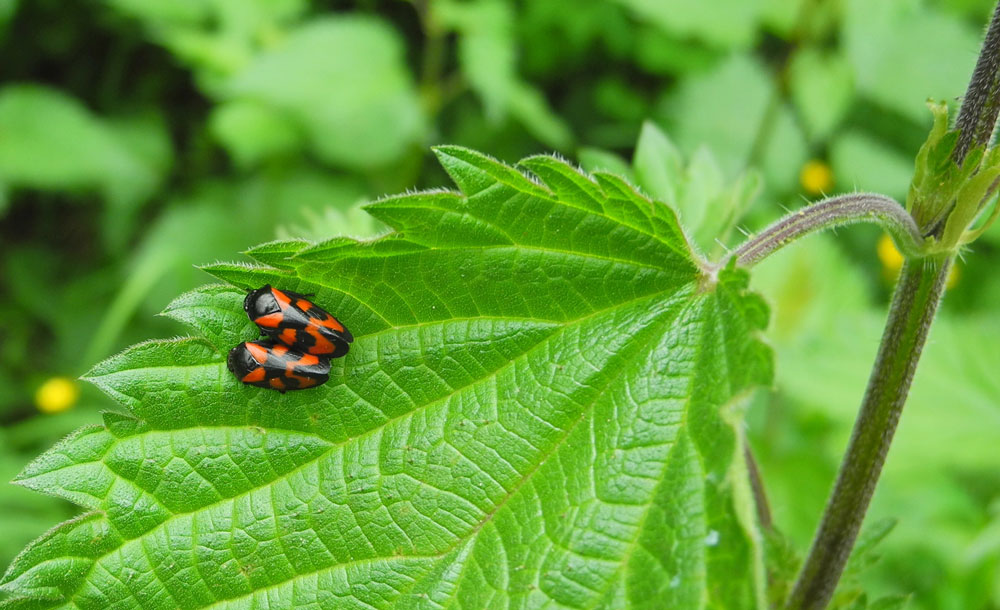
(301,338)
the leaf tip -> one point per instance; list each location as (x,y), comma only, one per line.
(44,464)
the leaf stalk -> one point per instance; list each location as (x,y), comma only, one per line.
(834,212)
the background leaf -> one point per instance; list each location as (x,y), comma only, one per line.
(821,87)
(903,54)
(488,55)
(726,23)
(50,141)
(354,114)
(724,108)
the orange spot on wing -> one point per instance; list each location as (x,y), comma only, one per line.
(279,350)
(323,345)
(303,381)
(306,360)
(303,304)
(277,383)
(258,352)
(288,336)
(331,322)
(306,382)
(283,299)
(253,376)
(271,320)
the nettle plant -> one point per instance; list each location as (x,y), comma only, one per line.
(542,406)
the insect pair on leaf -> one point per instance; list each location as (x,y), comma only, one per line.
(300,339)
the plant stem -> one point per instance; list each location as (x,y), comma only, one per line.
(978,116)
(915,301)
(918,292)
(757,487)
(833,212)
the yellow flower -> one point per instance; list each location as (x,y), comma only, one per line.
(57,394)
(892,262)
(816,177)
(953,276)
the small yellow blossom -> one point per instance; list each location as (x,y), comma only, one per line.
(953,276)
(892,262)
(816,177)
(57,394)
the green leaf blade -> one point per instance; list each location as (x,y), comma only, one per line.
(540,409)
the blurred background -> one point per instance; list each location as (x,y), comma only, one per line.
(139,138)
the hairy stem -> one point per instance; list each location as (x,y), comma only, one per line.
(757,487)
(833,212)
(914,303)
(978,116)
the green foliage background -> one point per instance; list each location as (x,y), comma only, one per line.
(140,137)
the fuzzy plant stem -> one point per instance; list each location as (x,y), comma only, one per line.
(829,213)
(918,292)
(915,301)
(977,118)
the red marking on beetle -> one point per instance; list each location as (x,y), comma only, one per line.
(306,360)
(283,299)
(306,382)
(323,345)
(331,322)
(255,375)
(271,320)
(288,336)
(258,352)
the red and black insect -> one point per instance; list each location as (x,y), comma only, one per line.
(269,365)
(292,319)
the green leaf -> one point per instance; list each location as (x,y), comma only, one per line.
(8,8)
(822,88)
(891,602)
(487,53)
(725,23)
(724,109)
(216,38)
(903,53)
(268,205)
(542,408)
(356,114)
(863,554)
(598,159)
(945,199)
(252,132)
(708,208)
(863,163)
(659,166)
(50,141)
(26,514)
